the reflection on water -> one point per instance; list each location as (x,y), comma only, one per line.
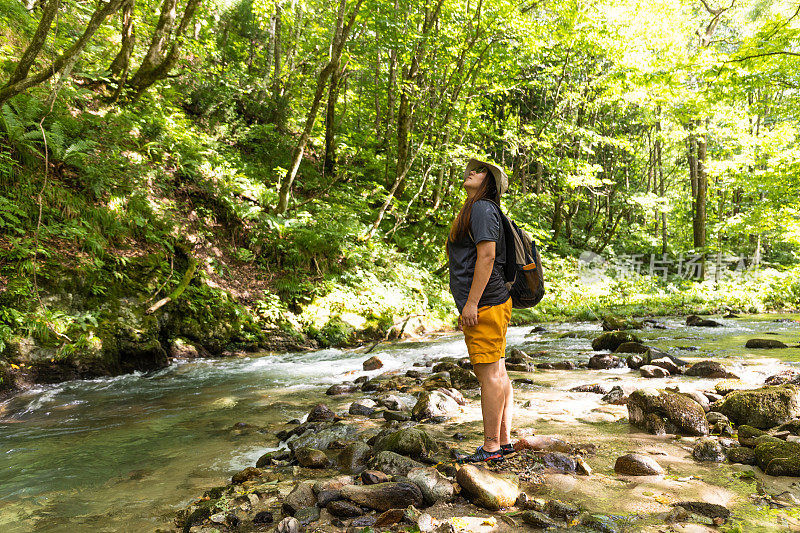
(122,454)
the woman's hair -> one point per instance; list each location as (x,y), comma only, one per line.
(487,191)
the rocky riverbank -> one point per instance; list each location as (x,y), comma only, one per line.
(700,449)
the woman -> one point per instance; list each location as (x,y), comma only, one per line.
(476,249)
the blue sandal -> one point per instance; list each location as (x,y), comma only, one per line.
(507,449)
(481,456)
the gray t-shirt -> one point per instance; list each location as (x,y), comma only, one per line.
(485,225)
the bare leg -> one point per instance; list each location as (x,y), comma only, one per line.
(508,405)
(492,401)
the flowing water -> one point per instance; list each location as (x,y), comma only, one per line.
(123,454)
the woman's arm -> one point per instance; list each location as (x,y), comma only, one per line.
(483,269)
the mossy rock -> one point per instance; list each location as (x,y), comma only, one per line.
(660,411)
(762,408)
(618,324)
(611,340)
(411,442)
(779,458)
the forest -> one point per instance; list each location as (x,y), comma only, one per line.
(187,180)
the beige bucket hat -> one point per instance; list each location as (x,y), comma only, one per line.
(500,176)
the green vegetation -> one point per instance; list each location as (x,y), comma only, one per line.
(305,156)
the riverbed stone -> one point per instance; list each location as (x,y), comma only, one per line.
(595,388)
(618,324)
(611,340)
(306,515)
(363,407)
(779,458)
(631,347)
(411,442)
(344,509)
(463,379)
(371,477)
(694,320)
(709,369)
(634,464)
(542,443)
(246,475)
(660,411)
(341,388)
(561,510)
(784,377)
(354,457)
(397,416)
(764,344)
(488,489)
(708,449)
(748,435)
(393,464)
(762,408)
(289,524)
(334,483)
(321,438)
(650,371)
(311,458)
(434,404)
(373,363)
(394,402)
(742,455)
(302,495)
(384,496)
(667,364)
(433,485)
(320,413)
(605,362)
(616,396)
(538,520)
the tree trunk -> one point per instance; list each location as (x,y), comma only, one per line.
(122,60)
(329,166)
(21,81)
(37,42)
(339,39)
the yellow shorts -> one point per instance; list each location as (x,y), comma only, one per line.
(486,342)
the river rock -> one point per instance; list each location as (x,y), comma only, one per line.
(384,496)
(765,344)
(542,443)
(436,381)
(463,379)
(605,361)
(341,388)
(559,461)
(561,510)
(320,413)
(710,510)
(246,475)
(371,477)
(344,509)
(487,489)
(616,396)
(306,515)
(708,449)
(302,495)
(373,363)
(434,404)
(311,458)
(397,416)
(433,485)
(538,520)
(354,457)
(784,377)
(661,411)
(748,435)
(619,324)
(393,463)
(595,388)
(289,525)
(792,427)
(762,408)
(393,402)
(411,442)
(667,364)
(635,361)
(713,417)
(742,455)
(321,438)
(611,340)
(709,369)
(694,320)
(650,371)
(631,347)
(455,394)
(363,407)
(635,464)
(778,458)
(700,398)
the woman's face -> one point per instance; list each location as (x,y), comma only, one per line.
(474,180)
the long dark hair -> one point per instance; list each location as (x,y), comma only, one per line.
(487,191)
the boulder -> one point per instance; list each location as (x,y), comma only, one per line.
(708,449)
(661,411)
(605,361)
(398,416)
(561,510)
(344,509)
(779,458)
(748,435)
(363,407)
(559,461)
(320,413)
(764,344)
(762,408)
(393,402)
(463,379)
(432,404)
(393,464)
(631,347)
(332,484)
(436,381)
(411,442)
(371,477)
(341,388)
(667,364)
(542,443)
(354,457)
(616,396)
(302,495)
(611,340)
(742,455)
(784,377)
(311,458)
(246,475)
(792,427)
(635,361)
(595,388)
(650,371)
(289,524)
(694,320)
(726,386)
(487,489)
(373,363)
(619,324)
(321,438)
(538,520)
(384,496)
(433,485)
(634,464)
(709,369)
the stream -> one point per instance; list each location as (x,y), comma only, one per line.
(124,453)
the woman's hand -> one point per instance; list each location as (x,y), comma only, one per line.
(469,315)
